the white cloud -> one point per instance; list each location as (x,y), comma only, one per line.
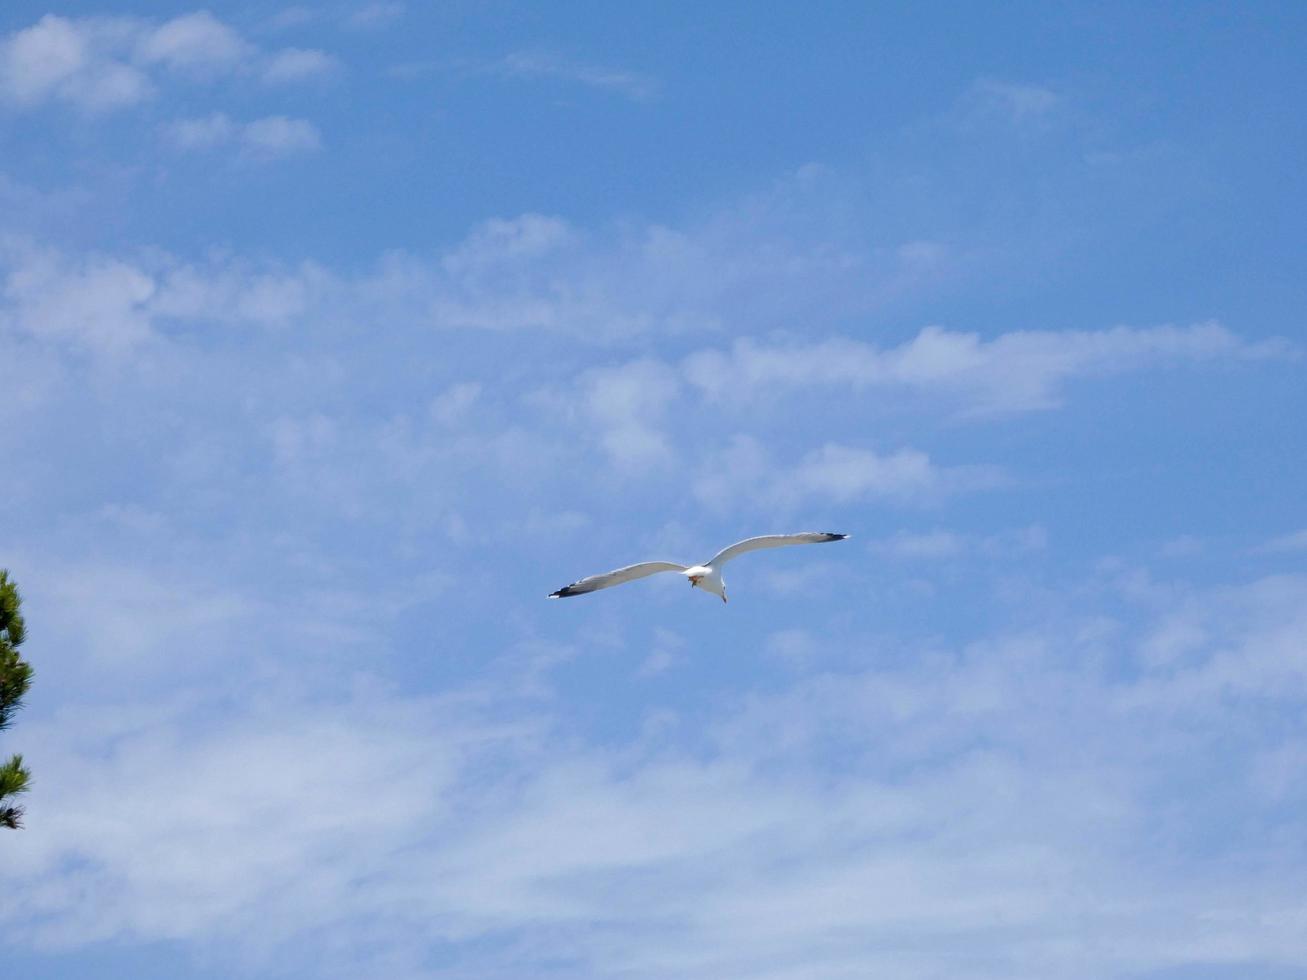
(844,474)
(134,619)
(333,825)
(298,64)
(744,472)
(498,243)
(102,63)
(504,275)
(241,787)
(627,405)
(98,304)
(874,821)
(71,61)
(1033,801)
(1233,643)
(202,133)
(279,135)
(197,42)
(267,138)
(110,305)
(1016,371)
(644,417)
(235,293)
(742,268)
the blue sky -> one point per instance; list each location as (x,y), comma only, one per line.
(335,336)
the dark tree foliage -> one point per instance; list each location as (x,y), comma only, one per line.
(15,678)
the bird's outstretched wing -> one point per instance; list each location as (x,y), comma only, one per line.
(608,579)
(772,541)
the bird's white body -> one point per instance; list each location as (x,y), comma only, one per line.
(707,576)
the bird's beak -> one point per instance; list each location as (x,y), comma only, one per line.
(723,597)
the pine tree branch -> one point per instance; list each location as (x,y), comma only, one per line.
(15,679)
(14,777)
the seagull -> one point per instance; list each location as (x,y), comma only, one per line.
(707,576)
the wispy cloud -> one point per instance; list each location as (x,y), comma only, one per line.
(628,405)
(945,544)
(847,473)
(1010,102)
(1296,541)
(95,303)
(266,138)
(280,135)
(378,14)
(111,304)
(545,64)
(298,64)
(747,474)
(285,527)
(1016,371)
(1010,771)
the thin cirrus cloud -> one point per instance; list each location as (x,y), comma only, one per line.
(1286,543)
(546,64)
(362,17)
(1012,102)
(298,64)
(539,65)
(943,544)
(375,15)
(99,64)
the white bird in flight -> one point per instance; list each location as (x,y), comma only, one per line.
(707,576)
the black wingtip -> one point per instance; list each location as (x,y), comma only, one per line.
(564,592)
(835,537)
